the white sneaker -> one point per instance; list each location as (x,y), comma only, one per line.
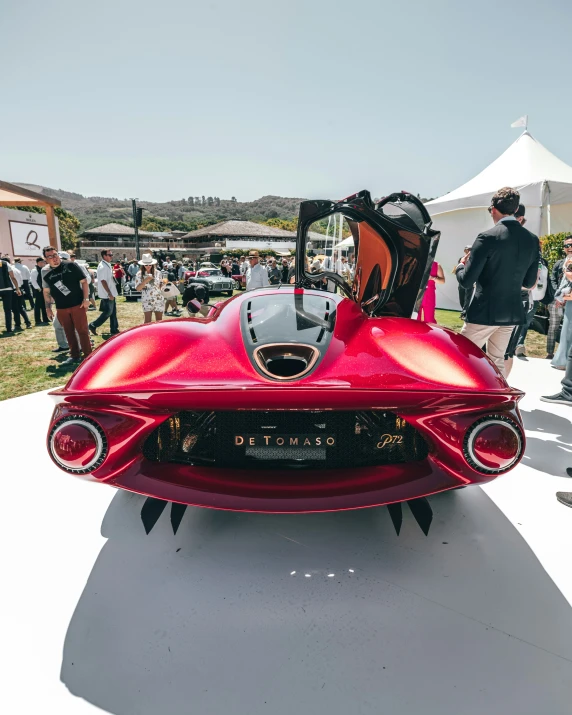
(520,350)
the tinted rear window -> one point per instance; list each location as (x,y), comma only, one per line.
(298,317)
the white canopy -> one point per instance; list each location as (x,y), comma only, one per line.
(545,186)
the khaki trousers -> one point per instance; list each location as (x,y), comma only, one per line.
(495,337)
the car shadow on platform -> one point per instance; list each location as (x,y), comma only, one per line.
(315,613)
(553,454)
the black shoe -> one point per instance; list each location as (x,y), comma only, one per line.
(60,350)
(71,361)
(92,330)
(18,329)
(564,498)
(550,356)
(28,325)
(569,471)
(558,399)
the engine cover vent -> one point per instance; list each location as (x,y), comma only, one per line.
(289,361)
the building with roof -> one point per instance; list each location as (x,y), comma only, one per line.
(24,234)
(242,235)
(119,238)
(218,238)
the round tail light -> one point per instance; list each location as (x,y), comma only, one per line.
(493,444)
(77,444)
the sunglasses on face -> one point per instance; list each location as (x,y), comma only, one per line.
(568,245)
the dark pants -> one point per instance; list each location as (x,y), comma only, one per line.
(72,320)
(19,310)
(465,296)
(7,297)
(27,294)
(40,307)
(533,305)
(108,311)
(462,294)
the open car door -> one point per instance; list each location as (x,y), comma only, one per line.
(391,245)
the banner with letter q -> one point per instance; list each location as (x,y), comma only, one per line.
(28,239)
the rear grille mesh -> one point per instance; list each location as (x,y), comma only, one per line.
(286,439)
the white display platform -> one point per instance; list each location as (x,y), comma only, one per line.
(274,614)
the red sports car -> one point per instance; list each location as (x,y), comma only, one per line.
(315,396)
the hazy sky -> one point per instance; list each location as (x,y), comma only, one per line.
(162,100)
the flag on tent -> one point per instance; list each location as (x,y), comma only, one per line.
(522,122)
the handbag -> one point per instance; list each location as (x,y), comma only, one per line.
(169,290)
(540,324)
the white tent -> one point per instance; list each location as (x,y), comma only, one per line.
(545,186)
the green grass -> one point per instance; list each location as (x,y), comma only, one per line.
(535,343)
(28,364)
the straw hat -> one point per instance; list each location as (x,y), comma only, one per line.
(147,260)
(253,254)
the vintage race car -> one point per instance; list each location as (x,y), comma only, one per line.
(298,398)
(213,279)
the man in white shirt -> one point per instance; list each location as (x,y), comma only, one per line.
(8,292)
(107,293)
(256,275)
(26,291)
(18,305)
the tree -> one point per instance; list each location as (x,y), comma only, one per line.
(217,200)
(69,226)
(197,200)
(233,199)
(183,202)
(210,201)
(68,223)
(204,201)
(191,201)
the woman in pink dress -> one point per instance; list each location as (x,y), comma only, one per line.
(427,307)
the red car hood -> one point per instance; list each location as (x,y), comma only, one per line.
(365,353)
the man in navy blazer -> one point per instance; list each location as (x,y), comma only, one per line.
(502,261)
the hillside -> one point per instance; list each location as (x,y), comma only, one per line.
(188,213)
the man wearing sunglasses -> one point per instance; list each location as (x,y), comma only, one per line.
(556,309)
(66,285)
(107,293)
(502,261)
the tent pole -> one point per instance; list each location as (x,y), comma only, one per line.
(548,208)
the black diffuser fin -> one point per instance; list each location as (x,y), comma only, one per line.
(421,510)
(396,514)
(151,511)
(177,513)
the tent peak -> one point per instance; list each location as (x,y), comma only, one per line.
(526,161)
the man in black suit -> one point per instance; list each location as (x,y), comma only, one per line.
(502,261)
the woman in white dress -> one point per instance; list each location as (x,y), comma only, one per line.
(149,282)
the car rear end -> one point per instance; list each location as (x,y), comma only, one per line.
(318,451)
